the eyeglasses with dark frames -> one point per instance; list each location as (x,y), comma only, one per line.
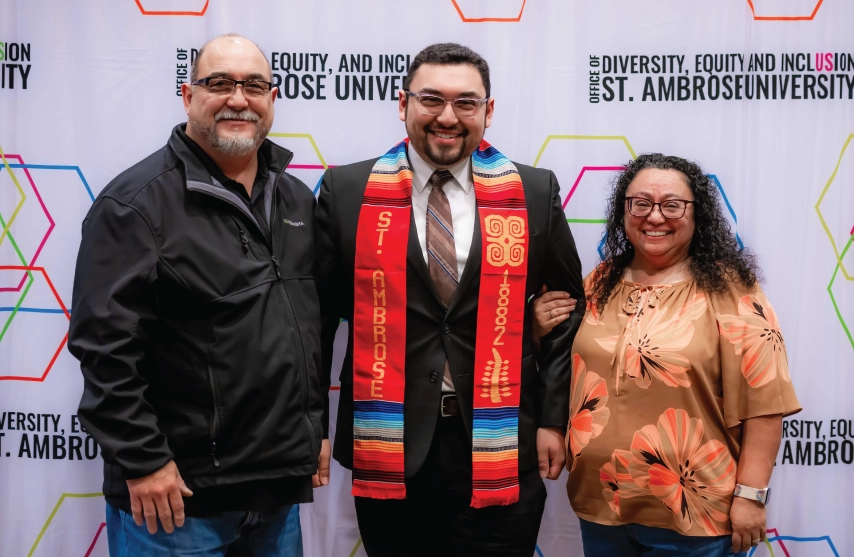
(669,209)
(433,105)
(225,86)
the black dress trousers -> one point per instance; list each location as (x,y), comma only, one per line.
(436,518)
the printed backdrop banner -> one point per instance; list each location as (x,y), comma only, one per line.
(758,91)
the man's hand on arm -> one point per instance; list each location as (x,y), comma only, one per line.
(551,452)
(322,477)
(159,495)
(550,310)
(562,274)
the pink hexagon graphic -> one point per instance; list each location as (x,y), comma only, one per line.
(29,258)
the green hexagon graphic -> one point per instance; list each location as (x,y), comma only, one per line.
(833,298)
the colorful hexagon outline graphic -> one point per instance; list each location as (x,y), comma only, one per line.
(50,518)
(14,244)
(585,169)
(199,13)
(601,245)
(8,225)
(784,17)
(310,138)
(356,547)
(714,178)
(821,216)
(95,539)
(28,268)
(20,165)
(18,307)
(488,19)
(833,298)
(779,539)
(840,255)
(559,137)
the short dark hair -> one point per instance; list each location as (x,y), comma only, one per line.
(448,54)
(716,257)
(194,66)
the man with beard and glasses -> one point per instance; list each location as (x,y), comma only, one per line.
(197,326)
(431,253)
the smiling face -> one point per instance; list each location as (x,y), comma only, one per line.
(658,241)
(233,124)
(445,140)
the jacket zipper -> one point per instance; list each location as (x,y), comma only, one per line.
(292,318)
(244,240)
(215,421)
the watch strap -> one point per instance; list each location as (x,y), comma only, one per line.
(752,493)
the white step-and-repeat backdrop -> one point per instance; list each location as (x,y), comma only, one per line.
(758,91)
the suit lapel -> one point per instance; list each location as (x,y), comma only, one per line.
(473,262)
(415,259)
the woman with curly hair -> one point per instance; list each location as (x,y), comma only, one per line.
(679,375)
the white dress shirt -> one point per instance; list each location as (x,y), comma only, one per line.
(460,193)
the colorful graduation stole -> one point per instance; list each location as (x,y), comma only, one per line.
(379,328)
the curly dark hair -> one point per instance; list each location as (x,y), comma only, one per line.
(715,255)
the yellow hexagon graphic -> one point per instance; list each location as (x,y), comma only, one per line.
(838,233)
(311,173)
(844,226)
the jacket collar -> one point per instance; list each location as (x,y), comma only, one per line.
(198,166)
(203,176)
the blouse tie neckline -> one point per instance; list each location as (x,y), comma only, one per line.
(640,299)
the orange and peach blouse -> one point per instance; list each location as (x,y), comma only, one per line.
(662,379)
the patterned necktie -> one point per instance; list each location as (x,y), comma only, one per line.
(441,252)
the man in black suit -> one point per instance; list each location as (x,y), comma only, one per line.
(446,107)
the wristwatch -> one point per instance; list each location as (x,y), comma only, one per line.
(752,493)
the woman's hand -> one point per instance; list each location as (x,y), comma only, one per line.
(550,310)
(760,442)
(748,523)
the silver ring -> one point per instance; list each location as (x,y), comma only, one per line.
(550,314)
(756,542)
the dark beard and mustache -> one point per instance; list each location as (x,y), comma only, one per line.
(233,146)
(448,156)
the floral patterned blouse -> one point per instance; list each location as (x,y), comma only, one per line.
(661,381)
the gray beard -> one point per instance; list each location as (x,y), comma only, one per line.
(232,146)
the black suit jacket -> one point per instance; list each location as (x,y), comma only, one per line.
(432,333)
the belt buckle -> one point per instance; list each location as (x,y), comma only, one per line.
(450,406)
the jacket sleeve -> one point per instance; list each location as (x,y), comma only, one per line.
(113,310)
(326,271)
(562,272)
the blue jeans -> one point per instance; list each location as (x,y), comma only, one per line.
(232,534)
(635,540)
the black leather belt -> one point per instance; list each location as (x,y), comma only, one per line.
(450,407)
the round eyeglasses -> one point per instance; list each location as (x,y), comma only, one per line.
(670,209)
(226,85)
(433,105)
